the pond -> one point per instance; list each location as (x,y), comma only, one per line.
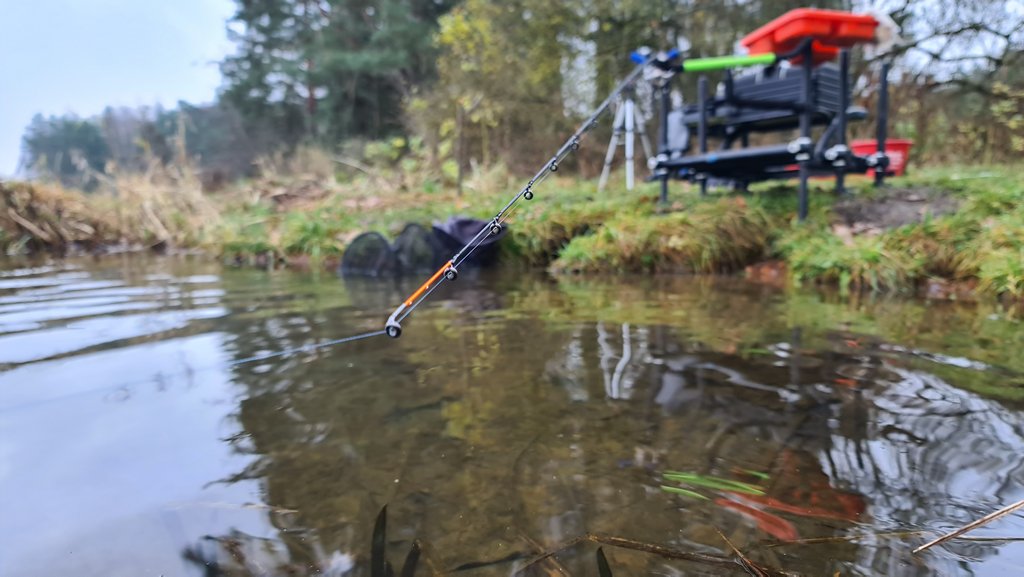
(820,435)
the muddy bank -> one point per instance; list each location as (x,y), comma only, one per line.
(893,208)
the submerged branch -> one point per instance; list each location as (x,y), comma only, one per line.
(887,534)
(660,550)
(747,564)
(555,568)
(971,526)
(843,538)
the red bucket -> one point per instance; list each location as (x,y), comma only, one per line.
(897,149)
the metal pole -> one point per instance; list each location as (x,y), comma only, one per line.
(804,156)
(666,103)
(612,144)
(883,121)
(702,124)
(642,131)
(844,103)
(630,116)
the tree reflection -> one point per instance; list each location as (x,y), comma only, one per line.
(492,429)
(239,555)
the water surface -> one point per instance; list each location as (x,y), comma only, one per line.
(515,414)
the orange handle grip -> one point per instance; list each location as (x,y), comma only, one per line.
(419,292)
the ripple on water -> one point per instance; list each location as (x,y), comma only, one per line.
(90,333)
(513,410)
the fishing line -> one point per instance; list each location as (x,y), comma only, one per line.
(305,348)
(189,372)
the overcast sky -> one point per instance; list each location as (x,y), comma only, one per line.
(59,56)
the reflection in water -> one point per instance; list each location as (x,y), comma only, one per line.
(239,554)
(513,415)
(619,383)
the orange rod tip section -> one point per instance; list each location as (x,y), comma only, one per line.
(423,288)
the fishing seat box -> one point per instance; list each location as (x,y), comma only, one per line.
(765,100)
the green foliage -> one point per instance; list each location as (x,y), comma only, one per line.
(312,234)
(67,148)
(500,64)
(328,70)
(984,238)
(385,152)
(1008,109)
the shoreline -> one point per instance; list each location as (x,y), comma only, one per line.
(950,234)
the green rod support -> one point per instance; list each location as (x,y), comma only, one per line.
(723,62)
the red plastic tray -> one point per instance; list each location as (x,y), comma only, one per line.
(830,29)
(897,149)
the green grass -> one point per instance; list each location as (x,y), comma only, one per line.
(571,228)
(813,253)
(982,240)
(707,237)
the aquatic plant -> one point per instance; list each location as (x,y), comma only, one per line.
(708,482)
(379,564)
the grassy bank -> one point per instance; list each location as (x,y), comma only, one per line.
(161,209)
(951,232)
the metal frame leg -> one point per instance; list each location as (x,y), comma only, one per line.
(612,144)
(840,164)
(804,156)
(883,120)
(702,125)
(645,142)
(666,103)
(630,117)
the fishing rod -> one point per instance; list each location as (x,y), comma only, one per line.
(449,271)
(668,63)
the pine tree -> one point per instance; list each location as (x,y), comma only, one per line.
(67,148)
(328,70)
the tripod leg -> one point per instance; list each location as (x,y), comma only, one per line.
(645,142)
(630,117)
(616,129)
